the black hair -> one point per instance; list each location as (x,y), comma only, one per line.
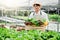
(36,5)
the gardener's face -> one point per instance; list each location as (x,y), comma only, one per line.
(37,8)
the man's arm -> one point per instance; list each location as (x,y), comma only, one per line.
(47,20)
(45,16)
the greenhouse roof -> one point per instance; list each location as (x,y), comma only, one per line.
(20,3)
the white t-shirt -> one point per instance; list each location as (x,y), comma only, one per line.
(39,16)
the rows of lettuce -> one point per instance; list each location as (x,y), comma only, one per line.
(54,17)
(10,34)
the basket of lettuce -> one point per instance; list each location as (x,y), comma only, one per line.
(34,24)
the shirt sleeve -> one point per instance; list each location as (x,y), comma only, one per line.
(45,16)
(31,15)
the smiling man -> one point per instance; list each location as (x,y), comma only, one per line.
(38,14)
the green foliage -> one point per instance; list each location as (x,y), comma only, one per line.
(35,22)
(10,34)
(54,17)
(59,19)
(23,13)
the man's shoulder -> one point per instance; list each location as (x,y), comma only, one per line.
(32,11)
(44,13)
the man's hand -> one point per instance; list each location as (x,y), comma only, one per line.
(46,23)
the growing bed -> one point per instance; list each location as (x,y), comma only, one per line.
(10,34)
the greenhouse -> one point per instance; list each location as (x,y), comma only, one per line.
(15,23)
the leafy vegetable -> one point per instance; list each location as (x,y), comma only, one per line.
(10,34)
(54,17)
(35,22)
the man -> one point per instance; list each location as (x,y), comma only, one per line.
(38,14)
